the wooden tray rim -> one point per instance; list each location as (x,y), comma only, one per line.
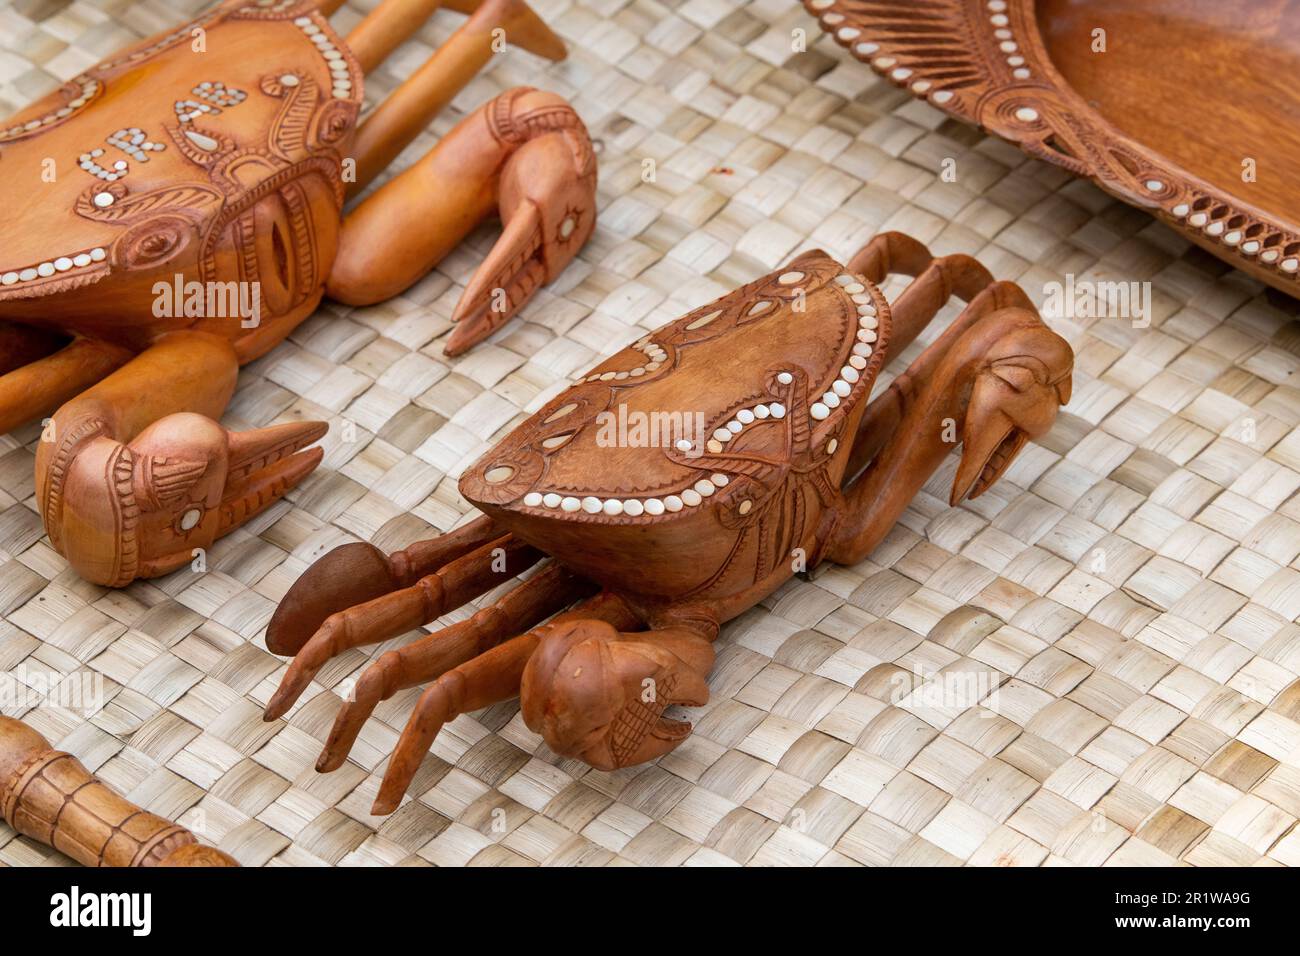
(1032,105)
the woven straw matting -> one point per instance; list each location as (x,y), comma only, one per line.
(1129,590)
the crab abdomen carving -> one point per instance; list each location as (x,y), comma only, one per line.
(194,155)
(700,461)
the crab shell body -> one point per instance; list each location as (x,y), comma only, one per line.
(218,166)
(704,462)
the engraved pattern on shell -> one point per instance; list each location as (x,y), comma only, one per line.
(196,169)
(767,366)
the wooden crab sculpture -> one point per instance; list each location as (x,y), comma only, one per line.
(194,218)
(773,460)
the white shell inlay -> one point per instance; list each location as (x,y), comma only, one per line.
(47,268)
(205,143)
(839,390)
(342,81)
(89,88)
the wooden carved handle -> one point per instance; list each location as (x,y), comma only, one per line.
(48,795)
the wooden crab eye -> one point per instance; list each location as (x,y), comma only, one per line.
(152,243)
(1017,376)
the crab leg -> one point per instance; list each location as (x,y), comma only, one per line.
(546,592)
(408,110)
(358,572)
(914,309)
(393,614)
(525,153)
(949,382)
(41,386)
(386,27)
(484,680)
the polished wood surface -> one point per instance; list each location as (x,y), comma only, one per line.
(211,223)
(1208,83)
(778,460)
(1182,107)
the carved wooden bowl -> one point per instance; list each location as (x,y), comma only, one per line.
(1184,107)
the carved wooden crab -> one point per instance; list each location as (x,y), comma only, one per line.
(217,159)
(660,545)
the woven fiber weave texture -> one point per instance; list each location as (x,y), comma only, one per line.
(1095,662)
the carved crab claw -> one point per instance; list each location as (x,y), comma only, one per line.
(179,485)
(547,203)
(598,695)
(527,153)
(1014,399)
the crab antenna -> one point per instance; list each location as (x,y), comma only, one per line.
(399,119)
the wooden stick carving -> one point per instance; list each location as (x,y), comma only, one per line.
(49,796)
(774,460)
(197,218)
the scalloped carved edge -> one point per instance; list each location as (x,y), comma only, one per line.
(994,72)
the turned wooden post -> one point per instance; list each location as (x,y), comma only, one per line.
(48,795)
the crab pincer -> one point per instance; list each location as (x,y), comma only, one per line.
(202,219)
(525,154)
(178,479)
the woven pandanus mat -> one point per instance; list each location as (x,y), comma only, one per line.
(1095,663)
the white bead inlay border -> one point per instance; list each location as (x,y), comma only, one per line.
(840,389)
(689,497)
(340,75)
(999,24)
(55,266)
(654,353)
(89,88)
(1216,227)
